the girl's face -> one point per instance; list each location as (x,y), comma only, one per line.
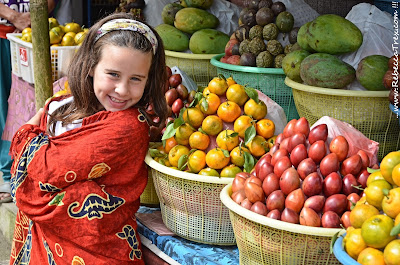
(120,77)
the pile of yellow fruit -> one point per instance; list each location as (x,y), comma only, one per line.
(373,237)
(70,34)
(222,132)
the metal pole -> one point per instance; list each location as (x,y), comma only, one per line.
(41,52)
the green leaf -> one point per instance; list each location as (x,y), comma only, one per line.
(252,93)
(182,162)
(226,152)
(178,122)
(204,104)
(169,132)
(202,131)
(234,134)
(249,162)
(249,134)
(334,238)
(395,230)
(155,153)
(197,97)
(372,170)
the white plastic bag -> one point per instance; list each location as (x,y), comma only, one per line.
(377,29)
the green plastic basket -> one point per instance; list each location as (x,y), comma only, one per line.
(270,81)
(367,111)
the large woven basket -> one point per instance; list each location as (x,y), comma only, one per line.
(270,81)
(263,240)
(149,196)
(190,205)
(196,66)
(367,111)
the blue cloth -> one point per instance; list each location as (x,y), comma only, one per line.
(5,86)
(187,252)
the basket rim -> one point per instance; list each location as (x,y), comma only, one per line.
(335,91)
(247,69)
(15,38)
(184,175)
(185,55)
(263,220)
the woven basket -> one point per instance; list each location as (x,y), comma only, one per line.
(149,196)
(263,240)
(367,111)
(270,81)
(196,66)
(190,205)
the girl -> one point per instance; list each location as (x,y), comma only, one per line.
(79,168)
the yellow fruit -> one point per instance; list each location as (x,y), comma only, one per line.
(374,192)
(376,231)
(391,254)
(26,30)
(360,213)
(237,155)
(58,30)
(175,153)
(196,161)
(27,37)
(80,36)
(209,172)
(241,124)
(371,256)
(73,27)
(54,37)
(391,203)
(230,171)
(67,40)
(72,34)
(193,116)
(227,139)
(182,134)
(354,243)
(216,159)
(374,176)
(52,22)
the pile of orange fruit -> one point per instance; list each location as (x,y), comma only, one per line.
(373,237)
(200,140)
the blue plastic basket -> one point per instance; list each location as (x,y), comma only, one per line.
(341,255)
(386,5)
(395,111)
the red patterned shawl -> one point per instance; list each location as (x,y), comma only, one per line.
(77,193)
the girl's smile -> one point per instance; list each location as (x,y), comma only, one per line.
(120,77)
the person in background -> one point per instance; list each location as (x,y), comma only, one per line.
(79,165)
(14,17)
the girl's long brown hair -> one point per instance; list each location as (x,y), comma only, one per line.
(85,102)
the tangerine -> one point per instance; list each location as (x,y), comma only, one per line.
(360,213)
(241,124)
(256,110)
(237,155)
(209,172)
(374,176)
(374,192)
(371,256)
(388,163)
(230,171)
(183,133)
(213,102)
(216,159)
(227,139)
(396,174)
(175,153)
(193,116)
(258,146)
(376,231)
(169,143)
(218,85)
(391,254)
(354,243)
(212,125)
(196,161)
(199,140)
(265,128)
(237,94)
(230,81)
(229,111)
(391,203)
(206,91)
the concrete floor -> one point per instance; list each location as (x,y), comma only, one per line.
(5,250)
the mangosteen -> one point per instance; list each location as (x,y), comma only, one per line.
(253,4)
(278,7)
(242,32)
(235,49)
(248,59)
(264,16)
(293,35)
(248,18)
(265,3)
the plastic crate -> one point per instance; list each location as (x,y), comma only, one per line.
(263,240)
(270,81)
(22,58)
(367,111)
(388,5)
(196,66)
(190,205)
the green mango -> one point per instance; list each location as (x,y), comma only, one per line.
(192,19)
(208,41)
(291,64)
(173,39)
(326,70)
(370,72)
(302,37)
(203,4)
(333,34)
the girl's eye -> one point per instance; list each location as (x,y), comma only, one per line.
(135,79)
(113,74)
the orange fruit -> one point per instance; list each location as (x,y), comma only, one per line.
(271,141)
(371,256)
(256,110)
(216,159)
(241,124)
(206,91)
(169,143)
(230,171)
(388,163)
(374,176)
(354,243)
(199,140)
(360,213)
(258,146)
(374,192)
(183,133)
(230,81)
(376,231)
(237,155)
(229,111)
(227,139)
(212,103)
(212,125)
(391,203)
(193,116)
(175,153)
(237,94)
(209,172)
(265,128)
(218,85)
(196,161)
(391,254)
(396,174)
(362,200)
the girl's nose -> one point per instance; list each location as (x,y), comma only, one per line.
(122,88)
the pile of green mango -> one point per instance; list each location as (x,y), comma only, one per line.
(317,63)
(188,25)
